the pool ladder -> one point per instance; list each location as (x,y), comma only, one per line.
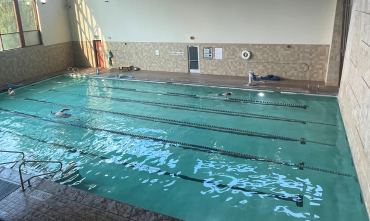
(74,69)
(23,162)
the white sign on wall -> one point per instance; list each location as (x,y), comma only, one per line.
(218,53)
(176,53)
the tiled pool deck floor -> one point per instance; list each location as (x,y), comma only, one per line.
(46,201)
(295,86)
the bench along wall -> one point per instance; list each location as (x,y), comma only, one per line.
(264,27)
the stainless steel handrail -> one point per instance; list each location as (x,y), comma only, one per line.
(18,152)
(32,161)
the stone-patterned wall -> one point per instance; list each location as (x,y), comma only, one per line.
(332,75)
(354,94)
(84,55)
(21,64)
(300,62)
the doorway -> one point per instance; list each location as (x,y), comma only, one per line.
(99,60)
(193,58)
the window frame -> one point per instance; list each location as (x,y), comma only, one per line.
(20,31)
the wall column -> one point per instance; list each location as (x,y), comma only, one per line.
(333,72)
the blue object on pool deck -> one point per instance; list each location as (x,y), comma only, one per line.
(111,76)
(124,76)
(13,86)
(271,78)
(97,71)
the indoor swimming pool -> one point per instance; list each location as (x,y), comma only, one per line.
(185,151)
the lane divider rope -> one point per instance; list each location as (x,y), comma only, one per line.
(201,109)
(297,199)
(301,166)
(206,126)
(204,97)
(302,140)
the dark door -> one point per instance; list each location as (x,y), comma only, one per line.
(98,53)
(193,57)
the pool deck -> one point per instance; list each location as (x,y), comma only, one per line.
(285,85)
(47,200)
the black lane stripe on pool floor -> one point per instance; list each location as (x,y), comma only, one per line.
(226,152)
(200,109)
(175,122)
(203,97)
(298,199)
(231,113)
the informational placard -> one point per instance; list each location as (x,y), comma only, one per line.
(207,53)
(176,53)
(218,53)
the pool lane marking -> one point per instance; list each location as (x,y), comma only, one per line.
(298,199)
(200,96)
(230,113)
(302,140)
(301,166)
(176,122)
(189,107)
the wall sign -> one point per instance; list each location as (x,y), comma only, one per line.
(207,53)
(176,53)
(218,54)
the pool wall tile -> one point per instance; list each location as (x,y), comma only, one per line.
(354,93)
(25,63)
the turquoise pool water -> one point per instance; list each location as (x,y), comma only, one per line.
(183,151)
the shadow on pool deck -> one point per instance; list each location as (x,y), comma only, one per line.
(47,200)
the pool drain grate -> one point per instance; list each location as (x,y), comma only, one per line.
(246,156)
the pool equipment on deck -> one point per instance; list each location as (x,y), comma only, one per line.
(12,86)
(271,78)
(125,76)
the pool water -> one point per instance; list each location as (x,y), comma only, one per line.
(159,146)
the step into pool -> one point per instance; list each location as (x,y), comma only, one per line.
(187,152)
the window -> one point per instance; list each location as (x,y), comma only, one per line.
(18,24)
